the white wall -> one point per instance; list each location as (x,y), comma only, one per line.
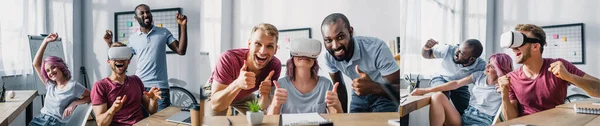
(552,12)
(369,18)
(204,24)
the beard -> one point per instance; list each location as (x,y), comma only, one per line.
(347,53)
(143,24)
(460,61)
(524,56)
(116,70)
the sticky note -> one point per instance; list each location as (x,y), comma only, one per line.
(125,42)
(160,25)
(555,36)
(122,35)
(564,39)
(129,24)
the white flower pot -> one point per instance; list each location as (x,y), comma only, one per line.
(255,118)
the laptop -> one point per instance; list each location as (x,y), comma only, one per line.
(182,117)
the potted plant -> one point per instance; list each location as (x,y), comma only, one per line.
(254,114)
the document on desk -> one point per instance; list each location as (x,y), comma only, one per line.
(303,119)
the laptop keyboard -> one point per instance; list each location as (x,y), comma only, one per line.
(188,120)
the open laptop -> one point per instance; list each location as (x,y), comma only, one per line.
(181,117)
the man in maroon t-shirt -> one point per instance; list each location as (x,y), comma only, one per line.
(117,100)
(239,72)
(541,83)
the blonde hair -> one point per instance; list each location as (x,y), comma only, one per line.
(269,29)
(537,32)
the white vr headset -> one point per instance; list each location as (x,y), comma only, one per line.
(514,39)
(120,53)
(305,47)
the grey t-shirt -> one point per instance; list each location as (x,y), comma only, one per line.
(151,57)
(57,100)
(313,101)
(450,70)
(483,96)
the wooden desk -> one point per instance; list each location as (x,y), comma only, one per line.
(13,107)
(413,103)
(562,115)
(555,116)
(586,101)
(273,120)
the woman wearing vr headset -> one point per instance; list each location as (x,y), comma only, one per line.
(62,94)
(302,90)
(485,99)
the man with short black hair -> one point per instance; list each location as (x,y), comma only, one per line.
(457,62)
(367,60)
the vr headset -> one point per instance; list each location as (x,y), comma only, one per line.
(120,53)
(305,47)
(514,39)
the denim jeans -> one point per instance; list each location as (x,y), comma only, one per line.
(473,117)
(371,103)
(45,120)
(165,101)
(460,96)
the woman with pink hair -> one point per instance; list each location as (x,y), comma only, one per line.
(484,101)
(62,94)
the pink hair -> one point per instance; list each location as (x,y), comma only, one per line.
(502,63)
(291,69)
(58,63)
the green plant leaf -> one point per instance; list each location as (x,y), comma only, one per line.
(253,106)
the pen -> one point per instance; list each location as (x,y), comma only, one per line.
(229,122)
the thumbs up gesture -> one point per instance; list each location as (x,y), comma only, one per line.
(333,102)
(364,85)
(265,85)
(246,80)
(280,96)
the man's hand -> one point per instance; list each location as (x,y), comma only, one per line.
(419,91)
(280,96)
(108,36)
(265,85)
(430,43)
(558,69)
(118,104)
(51,38)
(246,80)
(504,84)
(181,19)
(154,93)
(331,97)
(363,85)
(69,110)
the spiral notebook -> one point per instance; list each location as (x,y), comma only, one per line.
(593,108)
(303,119)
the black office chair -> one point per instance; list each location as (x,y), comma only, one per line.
(181,97)
(575,97)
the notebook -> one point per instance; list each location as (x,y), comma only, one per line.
(394,122)
(303,119)
(593,108)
